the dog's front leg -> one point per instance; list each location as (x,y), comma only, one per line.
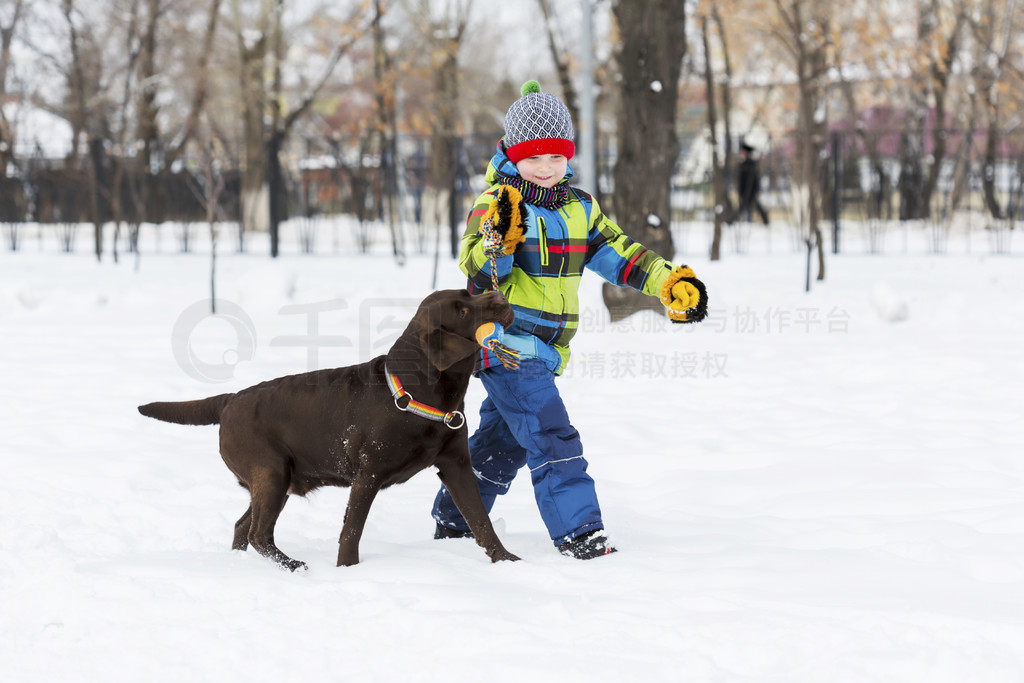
(364,490)
(457,476)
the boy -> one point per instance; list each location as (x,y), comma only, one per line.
(536,254)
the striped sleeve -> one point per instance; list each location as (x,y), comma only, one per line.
(472,259)
(620,260)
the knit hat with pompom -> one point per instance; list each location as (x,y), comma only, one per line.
(537,123)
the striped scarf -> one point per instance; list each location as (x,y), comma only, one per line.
(550,198)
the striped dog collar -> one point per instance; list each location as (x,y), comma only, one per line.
(405,402)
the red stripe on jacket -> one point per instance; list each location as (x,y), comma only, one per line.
(567,248)
(629,266)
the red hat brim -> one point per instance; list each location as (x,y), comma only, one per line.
(532,148)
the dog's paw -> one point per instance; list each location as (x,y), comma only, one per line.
(501,554)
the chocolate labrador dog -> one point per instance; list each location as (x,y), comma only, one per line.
(367,426)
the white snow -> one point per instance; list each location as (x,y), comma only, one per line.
(799,488)
(888,303)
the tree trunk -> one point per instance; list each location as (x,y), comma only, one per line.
(912,173)
(806,38)
(940,75)
(6,39)
(255,194)
(148,131)
(809,143)
(81,122)
(723,206)
(870,146)
(444,158)
(201,91)
(385,87)
(650,60)
(989,164)
(448,32)
(562,60)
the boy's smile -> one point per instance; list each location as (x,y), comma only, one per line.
(546,170)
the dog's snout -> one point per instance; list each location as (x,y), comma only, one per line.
(497,303)
(495,297)
(496,307)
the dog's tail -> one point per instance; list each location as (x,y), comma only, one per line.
(202,412)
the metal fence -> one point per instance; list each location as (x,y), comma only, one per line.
(877,189)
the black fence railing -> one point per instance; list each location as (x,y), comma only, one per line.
(940,182)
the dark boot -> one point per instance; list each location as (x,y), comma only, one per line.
(447,532)
(587,546)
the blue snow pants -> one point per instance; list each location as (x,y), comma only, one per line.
(524,422)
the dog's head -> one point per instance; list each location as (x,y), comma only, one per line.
(447,321)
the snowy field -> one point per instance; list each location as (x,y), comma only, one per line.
(809,487)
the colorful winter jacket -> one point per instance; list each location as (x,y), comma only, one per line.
(541,278)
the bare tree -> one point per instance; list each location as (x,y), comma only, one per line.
(207,187)
(943,51)
(9,19)
(930,60)
(266,121)
(561,55)
(385,96)
(710,16)
(84,79)
(994,29)
(805,32)
(254,50)
(172,145)
(442,27)
(133,46)
(653,44)
(880,197)
(147,111)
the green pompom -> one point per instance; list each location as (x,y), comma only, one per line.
(529,87)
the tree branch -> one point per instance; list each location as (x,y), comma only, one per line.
(310,96)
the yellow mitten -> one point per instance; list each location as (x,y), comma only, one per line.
(684,296)
(503,223)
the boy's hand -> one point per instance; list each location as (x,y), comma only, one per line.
(503,226)
(684,296)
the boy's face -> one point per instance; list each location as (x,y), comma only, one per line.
(546,170)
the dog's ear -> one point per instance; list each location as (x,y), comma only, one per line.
(445,349)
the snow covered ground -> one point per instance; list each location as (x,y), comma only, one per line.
(807,487)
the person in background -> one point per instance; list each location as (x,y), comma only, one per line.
(748,184)
(531,235)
